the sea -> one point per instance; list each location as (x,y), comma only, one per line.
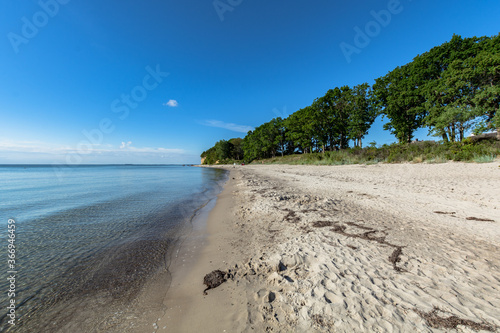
(78,243)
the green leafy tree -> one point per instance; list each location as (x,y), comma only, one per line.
(451,102)
(223,150)
(400,98)
(331,119)
(485,76)
(454,86)
(263,141)
(280,141)
(210,156)
(250,148)
(454,122)
(362,112)
(300,129)
(237,151)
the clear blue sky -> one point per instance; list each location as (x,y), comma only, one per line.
(161,81)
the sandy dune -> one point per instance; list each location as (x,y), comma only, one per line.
(379,248)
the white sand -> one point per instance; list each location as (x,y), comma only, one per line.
(292,237)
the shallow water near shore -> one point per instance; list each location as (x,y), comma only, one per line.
(89,238)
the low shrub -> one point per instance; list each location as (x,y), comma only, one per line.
(418,152)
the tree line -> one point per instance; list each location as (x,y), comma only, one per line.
(453,88)
(224,150)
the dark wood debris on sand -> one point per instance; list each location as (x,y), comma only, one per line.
(214,279)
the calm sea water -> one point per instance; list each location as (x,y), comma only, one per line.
(96,232)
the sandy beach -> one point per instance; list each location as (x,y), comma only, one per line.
(363,248)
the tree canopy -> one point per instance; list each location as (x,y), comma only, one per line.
(451,89)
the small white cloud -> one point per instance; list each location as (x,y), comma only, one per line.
(172,103)
(126,145)
(228,126)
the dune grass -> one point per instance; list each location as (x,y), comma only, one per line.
(484,158)
(420,152)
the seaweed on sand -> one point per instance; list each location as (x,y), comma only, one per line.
(435,321)
(214,279)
